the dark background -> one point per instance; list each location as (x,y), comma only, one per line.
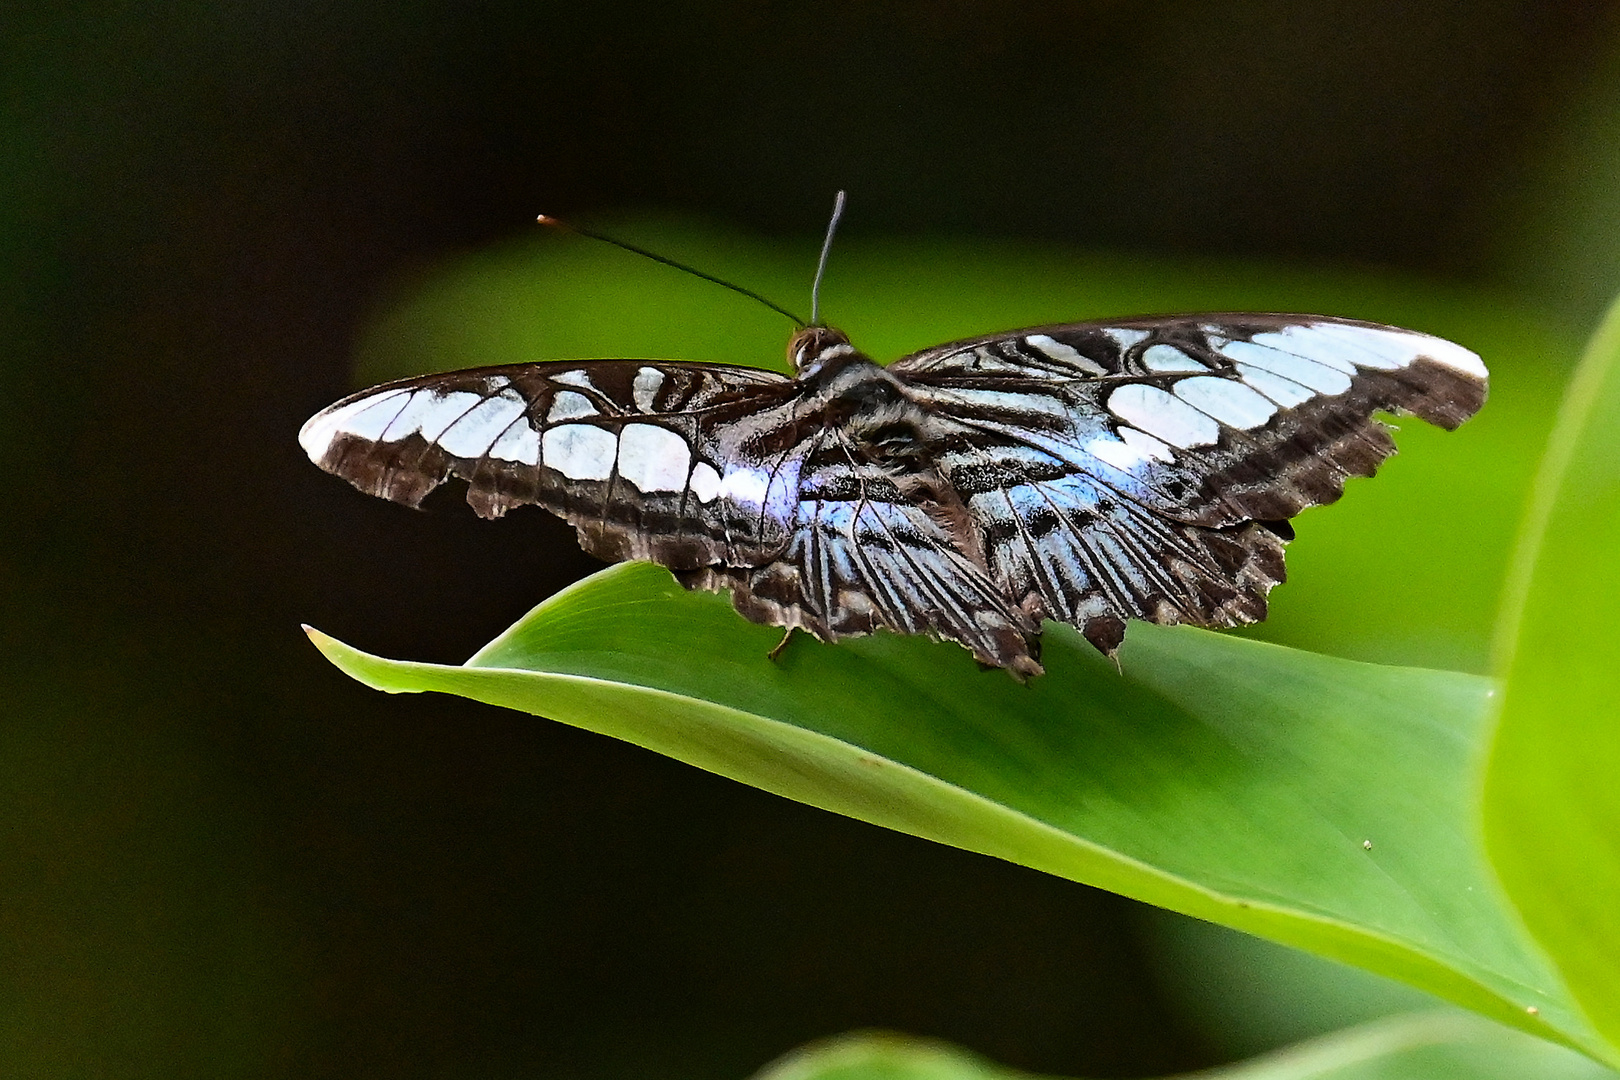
(220,857)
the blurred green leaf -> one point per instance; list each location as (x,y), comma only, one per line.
(1552,795)
(1440,1045)
(1248,996)
(1232,780)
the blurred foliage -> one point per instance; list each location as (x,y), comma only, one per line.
(1420,1046)
(1560,237)
(1552,807)
(1252,995)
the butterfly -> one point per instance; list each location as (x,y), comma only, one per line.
(1088,473)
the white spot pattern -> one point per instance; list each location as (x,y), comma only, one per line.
(1285,392)
(705,482)
(520,443)
(447,409)
(1007,401)
(1125,337)
(409,419)
(568,405)
(653,458)
(1227,400)
(1299,341)
(1164,415)
(1056,350)
(364,419)
(581,379)
(1452,355)
(1391,349)
(1169,358)
(473,433)
(1121,455)
(644,390)
(1146,444)
(745,486)
(1318,377)
(369,419)
(580,451)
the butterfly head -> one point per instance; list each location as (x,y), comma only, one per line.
(810,349)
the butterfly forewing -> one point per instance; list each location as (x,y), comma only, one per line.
(1141,467)
(1207,419)
(1088,473)
(648,459)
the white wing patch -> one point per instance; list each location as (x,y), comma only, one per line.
(1306,342)
(746,486)
(1169,358)
(1146,444)
(1285,392)
(1162,414)
(580,451)
(653,458)
(1056,350)
(409,419)
(1125,337)
(1227,400)
(445,410)
(568,405)
(1119,453)
(644,389)
(1309,373)
(364,419)
(520,443)
(1391,349)
(580,379)
(1029,403)
(705,482)
(474,432)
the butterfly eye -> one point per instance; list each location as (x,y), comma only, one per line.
(814,345)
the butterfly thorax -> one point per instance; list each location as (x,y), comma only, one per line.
(871,438)
(849,391)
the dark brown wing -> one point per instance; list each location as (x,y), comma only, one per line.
(731,477)
(643,457)
(870,550)
(1137,467)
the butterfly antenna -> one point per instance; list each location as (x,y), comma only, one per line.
(821,265)
(557,223)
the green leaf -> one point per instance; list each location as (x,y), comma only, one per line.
(1439,1045)
(1229,779)
(1552,795)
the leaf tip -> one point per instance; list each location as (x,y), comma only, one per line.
(340,655)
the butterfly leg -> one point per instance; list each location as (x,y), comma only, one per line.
(776,653)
